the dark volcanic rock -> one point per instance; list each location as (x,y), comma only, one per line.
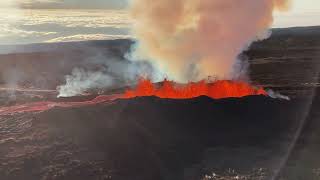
(142,138)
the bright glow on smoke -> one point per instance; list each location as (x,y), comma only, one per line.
(189,40)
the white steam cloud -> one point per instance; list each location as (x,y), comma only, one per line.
(103,72)
(277,95)
(81,81)
(189,40)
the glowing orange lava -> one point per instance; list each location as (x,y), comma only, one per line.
(166,89)
(217,90)
(47,105)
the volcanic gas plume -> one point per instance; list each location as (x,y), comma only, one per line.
(189,40)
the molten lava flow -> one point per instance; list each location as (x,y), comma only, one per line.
(47,105)
(217,90)
(167,89)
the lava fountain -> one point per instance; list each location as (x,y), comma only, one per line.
(166,89)
(216,90)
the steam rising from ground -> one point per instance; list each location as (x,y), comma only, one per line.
(80,81)
(103,72)
(277,95)
(189,40)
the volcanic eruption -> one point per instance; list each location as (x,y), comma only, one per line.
(190,40)
(217,90)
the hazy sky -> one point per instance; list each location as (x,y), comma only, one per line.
(66,4)
(99,19)
(306,5)
(302,13)
(298,5)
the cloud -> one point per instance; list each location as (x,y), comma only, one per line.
(77,18)
(38,26)
(9,34)
(87,37)
(73,4)
(6,29)
(8,3)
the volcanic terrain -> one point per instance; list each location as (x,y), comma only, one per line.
(104,136)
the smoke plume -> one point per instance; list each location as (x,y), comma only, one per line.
(80,81)
(189,40)
(102,71)
(277,95)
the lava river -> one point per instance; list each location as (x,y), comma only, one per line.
(165,89)
(47,105)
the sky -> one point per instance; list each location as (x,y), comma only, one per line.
(305,5)
(302,13)
(66,4)
(45,21)
(298,5)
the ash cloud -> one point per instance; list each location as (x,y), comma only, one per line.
(189,40)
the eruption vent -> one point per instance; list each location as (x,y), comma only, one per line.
(189,40)
(217,90)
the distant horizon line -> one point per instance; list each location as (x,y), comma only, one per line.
(93,40)
(17,8)
(126,8)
